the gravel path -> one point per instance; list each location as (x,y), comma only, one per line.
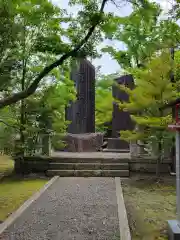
(71,209)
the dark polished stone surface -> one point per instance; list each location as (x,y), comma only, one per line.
(82,112)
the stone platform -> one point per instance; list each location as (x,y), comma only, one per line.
(79,164)
(93,164)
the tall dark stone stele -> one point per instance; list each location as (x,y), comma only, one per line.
(82,112)
(121,120)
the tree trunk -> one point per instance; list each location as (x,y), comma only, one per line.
(158,164)
(22,108)
(22,128)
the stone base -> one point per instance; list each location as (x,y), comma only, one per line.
(173,230)
(117,143)
(115,150)
(87,142)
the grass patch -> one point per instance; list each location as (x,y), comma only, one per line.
(149,205)
(15,191)
(6,164)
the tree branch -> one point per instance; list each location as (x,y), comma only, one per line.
(8,125)
(34,85)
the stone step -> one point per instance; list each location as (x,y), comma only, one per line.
(88,173)
(89,166)
(116,150)
(89,159)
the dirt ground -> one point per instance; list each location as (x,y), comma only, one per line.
(149,203)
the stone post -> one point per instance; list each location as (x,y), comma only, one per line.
(174,225)
(46,144)
(178,174)
(18,156)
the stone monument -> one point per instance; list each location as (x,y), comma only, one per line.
(81,135)
(120,120)
(81,113)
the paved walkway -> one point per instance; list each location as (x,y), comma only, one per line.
(71,209)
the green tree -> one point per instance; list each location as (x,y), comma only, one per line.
(38,21)
(39,52)
(46,113)
(143,33)
(43,19)
(153,89)
(104,102)
(9,30)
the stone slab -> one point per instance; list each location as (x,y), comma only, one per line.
(88,166)
(173,230)
(88,173)
(91,155)
(72,208)
(116,150)
(123,219)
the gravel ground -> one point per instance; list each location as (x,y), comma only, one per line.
(71,209)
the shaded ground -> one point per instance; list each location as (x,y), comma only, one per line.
(71,209)
(149,205)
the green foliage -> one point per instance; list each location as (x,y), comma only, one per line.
(8,130)
(175,10)
(45,112)
(33,36)
(34,44)
(43,42)
(104,102)
(8,34)
(143,33)
(153,89)
(176,67)
(147,37)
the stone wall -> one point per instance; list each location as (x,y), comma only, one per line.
(148,165)
(143,162)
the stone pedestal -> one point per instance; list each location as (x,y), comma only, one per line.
(117,143)
(86,142)
(173,230)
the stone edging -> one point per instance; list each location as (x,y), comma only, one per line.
(122,215)
(10,220)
